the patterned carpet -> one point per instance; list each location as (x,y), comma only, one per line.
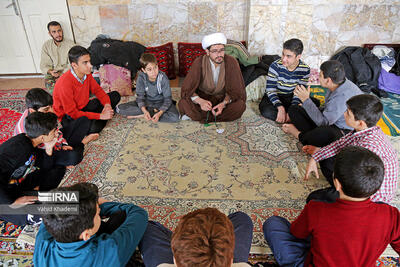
(171,169)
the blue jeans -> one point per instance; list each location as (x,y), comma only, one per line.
(155,246)
(287,249)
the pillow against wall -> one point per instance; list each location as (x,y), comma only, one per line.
(165,58)
(187,53)
(115,78)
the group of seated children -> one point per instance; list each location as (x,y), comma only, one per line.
(352,231)
(347,224)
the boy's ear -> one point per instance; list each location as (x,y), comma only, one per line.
(361,124)
(85,235)
(143,70)
(337,184)
(30,110)
(74,65)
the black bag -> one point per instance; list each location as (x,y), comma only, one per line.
(362,67)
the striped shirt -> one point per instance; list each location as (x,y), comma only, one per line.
(374,140)
(282,81)
(20,128)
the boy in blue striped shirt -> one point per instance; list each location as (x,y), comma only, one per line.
(284,75)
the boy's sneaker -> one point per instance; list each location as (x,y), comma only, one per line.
(28,235)
(185,117)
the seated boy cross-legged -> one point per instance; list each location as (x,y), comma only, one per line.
(204,237)
(24,168)
(363,112)
(72,96)
(82,239)
(68,150)
(154,100)
(316,126)
(352,231)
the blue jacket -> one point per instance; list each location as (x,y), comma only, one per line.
(100,250)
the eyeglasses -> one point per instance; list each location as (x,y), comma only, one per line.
(217,51)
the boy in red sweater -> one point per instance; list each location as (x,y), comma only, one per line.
(71,94)
(353,231)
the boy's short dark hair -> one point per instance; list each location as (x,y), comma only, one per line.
(37,98)
(367,108)
(52,23)
(76,52)
(204,237)
(334,70)
(39,123)
(294,45)
(147,58)
(359,171)
(67,228)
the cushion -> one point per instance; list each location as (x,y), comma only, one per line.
(165,58)
(187,53)
(256,89)
(115,78)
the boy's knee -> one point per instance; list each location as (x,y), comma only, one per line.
(243,218)
(115,97)
(267,110)
(274,222)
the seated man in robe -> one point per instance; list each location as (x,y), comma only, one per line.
(214,87)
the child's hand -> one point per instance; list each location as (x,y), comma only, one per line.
(147,115)
(49,146)
(302,93)
(66,147)
(157,116)
(21,201)
(311,167)
(107,113)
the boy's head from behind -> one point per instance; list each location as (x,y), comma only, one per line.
(359,171)
(204,237)
(40,124)
(366,108)
(38,99)
(334,70)
(148,64)
(67,228)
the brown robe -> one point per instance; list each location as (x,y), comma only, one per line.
(234,88)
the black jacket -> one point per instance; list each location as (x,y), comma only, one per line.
(362,67)
(110,51)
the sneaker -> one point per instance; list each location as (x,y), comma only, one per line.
(28,235)
(185,117)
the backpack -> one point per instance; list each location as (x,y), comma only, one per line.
(361,66)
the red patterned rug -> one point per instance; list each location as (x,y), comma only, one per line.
(11,107)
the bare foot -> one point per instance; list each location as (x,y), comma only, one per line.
(136,117)
(291,129)
(89,138)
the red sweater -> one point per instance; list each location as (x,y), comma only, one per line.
(70,96)
(347,233)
